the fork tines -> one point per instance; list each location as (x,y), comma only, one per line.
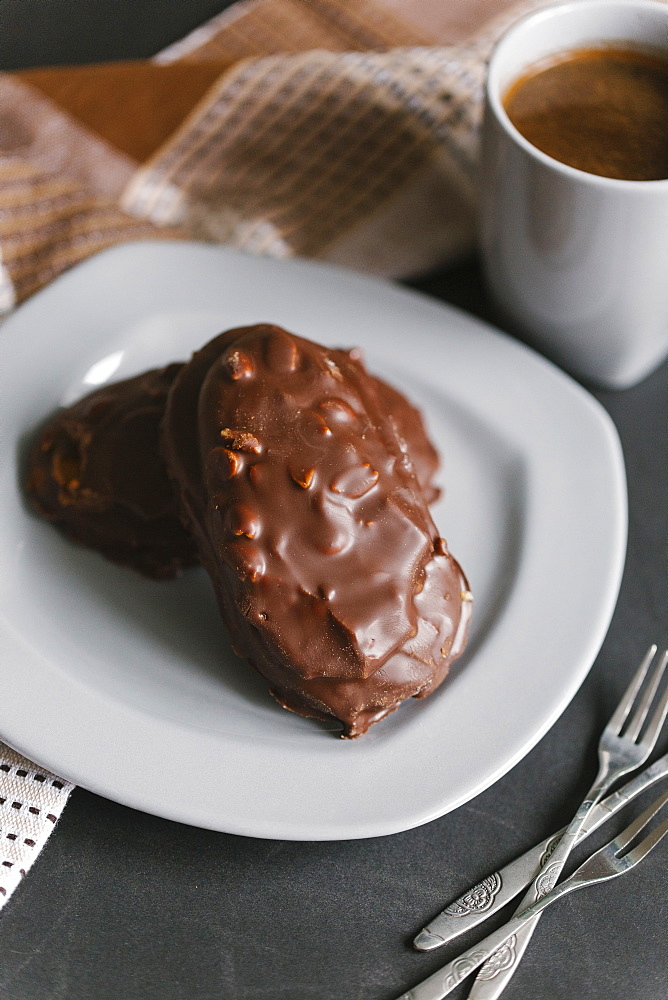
(638,718)
(630,834)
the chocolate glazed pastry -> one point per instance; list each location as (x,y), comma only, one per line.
(309,518)
(96,471)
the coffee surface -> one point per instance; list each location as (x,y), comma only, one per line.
(604,111)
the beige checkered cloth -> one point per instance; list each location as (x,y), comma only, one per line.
(339,129)
(345,130)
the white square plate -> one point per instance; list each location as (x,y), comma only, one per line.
(128,687)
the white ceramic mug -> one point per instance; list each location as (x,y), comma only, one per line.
(579,262)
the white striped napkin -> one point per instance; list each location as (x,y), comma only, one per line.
(31,801)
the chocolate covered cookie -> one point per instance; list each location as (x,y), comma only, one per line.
(301,494)
(96,471)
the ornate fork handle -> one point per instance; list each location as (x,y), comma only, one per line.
(444,980)
(493,892)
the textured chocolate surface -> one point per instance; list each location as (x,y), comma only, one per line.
(308,515)
(411,434)
(96,471)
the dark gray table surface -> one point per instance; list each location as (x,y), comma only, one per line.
(126,906)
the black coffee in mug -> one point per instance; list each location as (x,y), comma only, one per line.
(603,110)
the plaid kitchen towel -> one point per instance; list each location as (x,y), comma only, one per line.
(339,129)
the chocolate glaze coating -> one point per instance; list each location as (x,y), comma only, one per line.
(307,513)
(96,471)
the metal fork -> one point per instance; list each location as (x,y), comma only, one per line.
(620,750)
(609,862)
(492,893)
